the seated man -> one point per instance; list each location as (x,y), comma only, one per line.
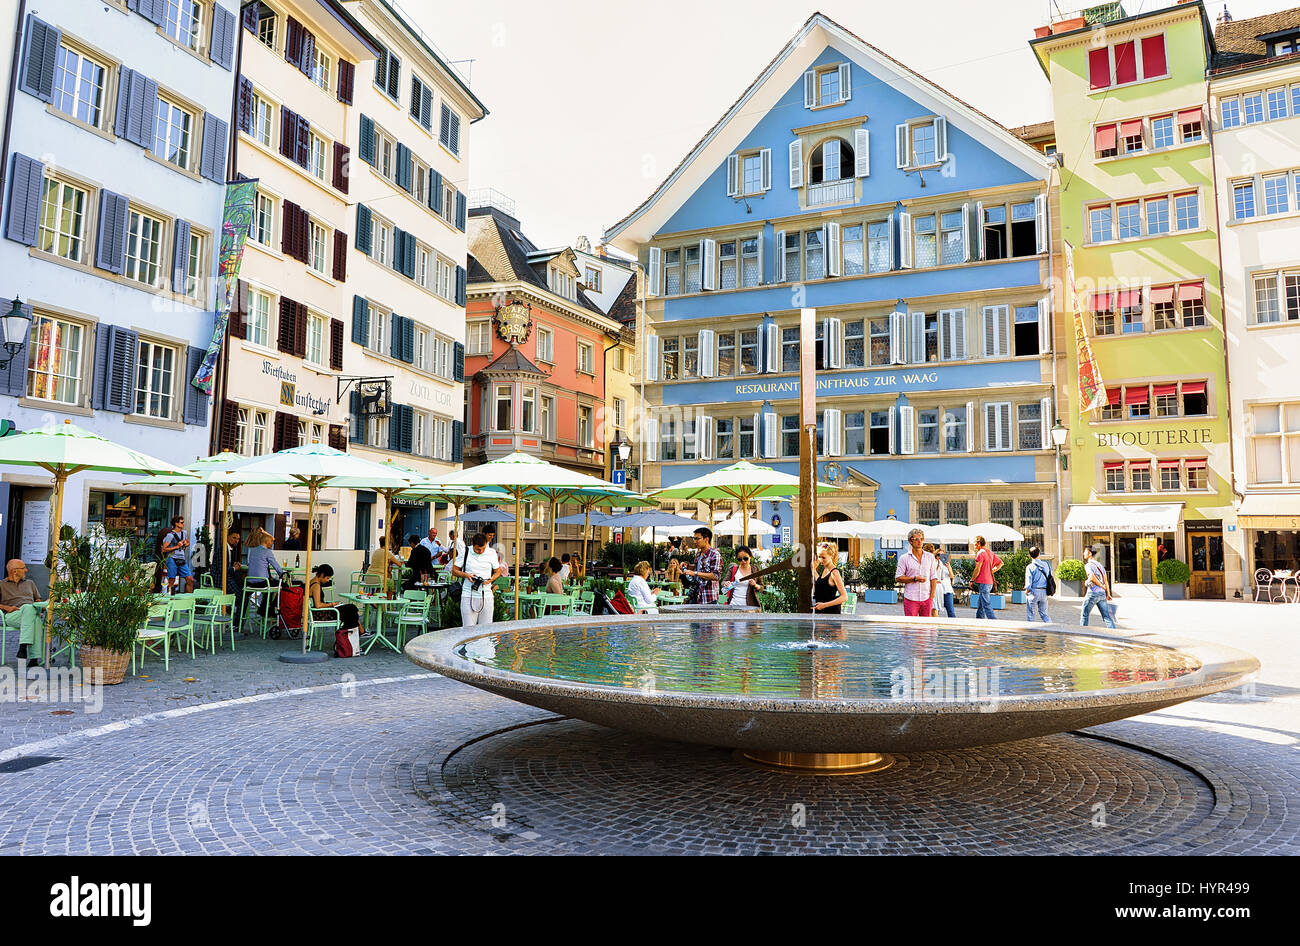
(18,596)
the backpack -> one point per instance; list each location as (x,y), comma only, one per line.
(346,643)
(1051,582)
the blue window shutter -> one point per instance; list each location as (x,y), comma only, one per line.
(13,376)
(444,126)
(394,76)
(196,402)
(212,163)
(460,211)
(42,45)
(181,255)
(455,133)
(360,320)
(152,10)
(123,349)
(110,240)
(222,48)
(457,441)
(123,110)
(426,108)
(252,15)
(367,145)
(460,285)
(409,269)
(408,427)
(143,105)
(395,336)
(395,428)
(403,167)
(399,243)
(363,228)
(25,182)
(357,431)
(408,341)
(458,361)
(435,191)
(102,332)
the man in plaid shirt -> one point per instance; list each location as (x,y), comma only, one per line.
(708,565)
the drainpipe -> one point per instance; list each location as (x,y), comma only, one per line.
(13,91)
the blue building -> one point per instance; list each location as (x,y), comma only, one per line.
(117,141)
(917,227)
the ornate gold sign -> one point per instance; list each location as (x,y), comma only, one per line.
(514,322)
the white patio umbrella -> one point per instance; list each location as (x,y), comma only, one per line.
(737,525)
(949,533)
(843,529)
(994,532)
(317,467)
(888,530)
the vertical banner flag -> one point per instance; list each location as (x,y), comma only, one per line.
(235,221)
(1092,390)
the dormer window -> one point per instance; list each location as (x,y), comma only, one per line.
(922,143)
(826,85)
(749,173)
(1287,45)
(562,283)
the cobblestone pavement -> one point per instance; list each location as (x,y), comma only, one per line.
(240,753)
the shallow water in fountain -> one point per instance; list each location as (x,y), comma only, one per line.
(770,658)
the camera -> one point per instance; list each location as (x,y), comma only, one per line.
(475,584)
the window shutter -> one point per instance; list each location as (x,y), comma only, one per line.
(708,354)
(846,82)
(285,432)
(292,41)
(306,52)
(409,257)
(340,256)
(381,69)
(110,239)
(809,89)
(959,335)
(357,431)
(222,48)
(142,103)
(650,443)
(458,362)
(1002,316)
(765,169)
(288,133)
(42,46)
(426,108)
(771,348)
(941,140)
(347,79)
(833,432)
(989,331)
(444,124)
(904,148)
(25,183)
(435,191)
(196,402)
(704,438)
(1004,425)
(13,376)
(709,263)
(338,439)
(302,143)
(403,167)
(341,161)
(893,429)
(288,225)
(654,270)
(650,361)
(212,163)
(780,256)
(408,424)
(1099,67)
(733,175)
(300,330)
(237,325)
(180,255)
(408,341)
(771,435)
(905,240)
(364,227)
(460,286)
(123,349)
(907,429)
(252,15)
(457,441)
(916,336)
(1040,223)
(990,426)
(284,337)
(394,76)
(460,211)
(861,152)
(833,343)
(244,108)
(796,163)
(1044,417)
(898,338)
(396,337)
(762,265)
(832,244)
(1044,326)
(360,320)
(366,144)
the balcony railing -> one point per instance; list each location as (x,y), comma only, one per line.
(830,192)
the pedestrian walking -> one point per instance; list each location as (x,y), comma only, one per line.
(943,593)
(916,568)
(1097,589)
(986,563)
(1036,574)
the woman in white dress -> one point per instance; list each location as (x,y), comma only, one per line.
(639,591)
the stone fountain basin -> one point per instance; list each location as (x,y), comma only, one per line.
(814,724)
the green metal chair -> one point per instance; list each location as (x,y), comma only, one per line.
(323,622)
(263,617)
(850,605)
(180,620)
(214,616)
(414,616)
(553,604)
(205,580)
(152,633)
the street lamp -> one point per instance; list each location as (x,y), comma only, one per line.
(1059,435)
(16,324)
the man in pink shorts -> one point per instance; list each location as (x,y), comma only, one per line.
(916,570)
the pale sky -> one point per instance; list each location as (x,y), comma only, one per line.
(593,103)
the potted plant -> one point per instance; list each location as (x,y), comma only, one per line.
(103,595)
(876,573)
(1070,575)
(1011,576)
(1173,576)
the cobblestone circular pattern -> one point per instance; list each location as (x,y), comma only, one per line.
(609,791)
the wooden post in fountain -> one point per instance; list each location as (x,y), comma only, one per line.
(807,454)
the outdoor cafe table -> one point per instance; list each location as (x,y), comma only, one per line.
(528,601)
(438,589)
(381,604)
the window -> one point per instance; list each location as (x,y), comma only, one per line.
(262,229)
(1277,297)
(194,271)
(449,130)
(851,244)
(690,356)
(751,176)
(1103,314)
(1140,474)
(620,417)
(263,121)
(592,276)
(746,442)
(1243,200)
(955,430)
(545,345)
(789,435)
(1190,126)
(422,266)
(317,159)
(171,138)
(724,439)
(504,407)
(672,272)
(1029,426)
(880,341)
(317,332)
(790,349)
(667,440)
(828,87)
(79,86)
(266,27)
(547,417)
(379,328)
(441,447)
(671,361)
(815,255)
(1100,224)
(690,449)
(155,384)
(922,137)
(997,426)
(1114,473)
(691,257)
(1170,475)
(1230,113)
(478,338)
(1127,62)
(382,243)
(261,432)
(562,283)
(143,248)
(1162,132)
(880,436)
(1274,431)
(1124,217)
(879,247)
(791,251)
(1157,215)
(1252,107)
(855,348)
(1130,312)
(585,358)
(749,351)
(442,357)
(317,247)
(320,70)
(54,359)
(1130,134)
(750,266)
(832,160)
(1196,474)
(1276,194)
(855,436)
(309,433)
(183,22)
(62,220)
(1187,211)
(927,432)
(1129,218)
(528,410)
(259,318)
(726,265)
(726,348)
(584,427)
(925,247)
(952,237)
(1025,332)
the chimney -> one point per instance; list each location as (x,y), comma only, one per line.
(601,251)
(1224,17)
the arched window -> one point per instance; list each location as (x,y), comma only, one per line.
(832,160)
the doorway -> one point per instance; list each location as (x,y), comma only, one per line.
(1205,556)
(849,549)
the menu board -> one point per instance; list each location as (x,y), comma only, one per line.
(36,531)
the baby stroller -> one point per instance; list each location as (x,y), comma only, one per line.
(288,620)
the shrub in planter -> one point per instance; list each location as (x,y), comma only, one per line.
(1011,576)
(103,594)
(1070,575)
(1173,575)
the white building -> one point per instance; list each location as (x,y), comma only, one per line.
(113,189)
(1255,101)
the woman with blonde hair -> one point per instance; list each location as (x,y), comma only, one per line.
(643,597)
(828,584)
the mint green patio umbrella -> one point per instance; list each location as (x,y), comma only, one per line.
(62,450)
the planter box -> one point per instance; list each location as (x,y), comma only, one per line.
(1175,592)
(1018,596)
(1041,31)
(1073,23)
(999,602)
(880,595)
(1069,589)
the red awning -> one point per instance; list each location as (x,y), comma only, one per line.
(1129,298)
(1113,466)
(1193,387)
(1189,115)
(1164,390)
(1139,464)
(1162,294)
(1113,396)
(1191,292)
(1197,464)
(1105,137)
(1136,395)
(1131,128)
(1169,464)
(1102,301)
